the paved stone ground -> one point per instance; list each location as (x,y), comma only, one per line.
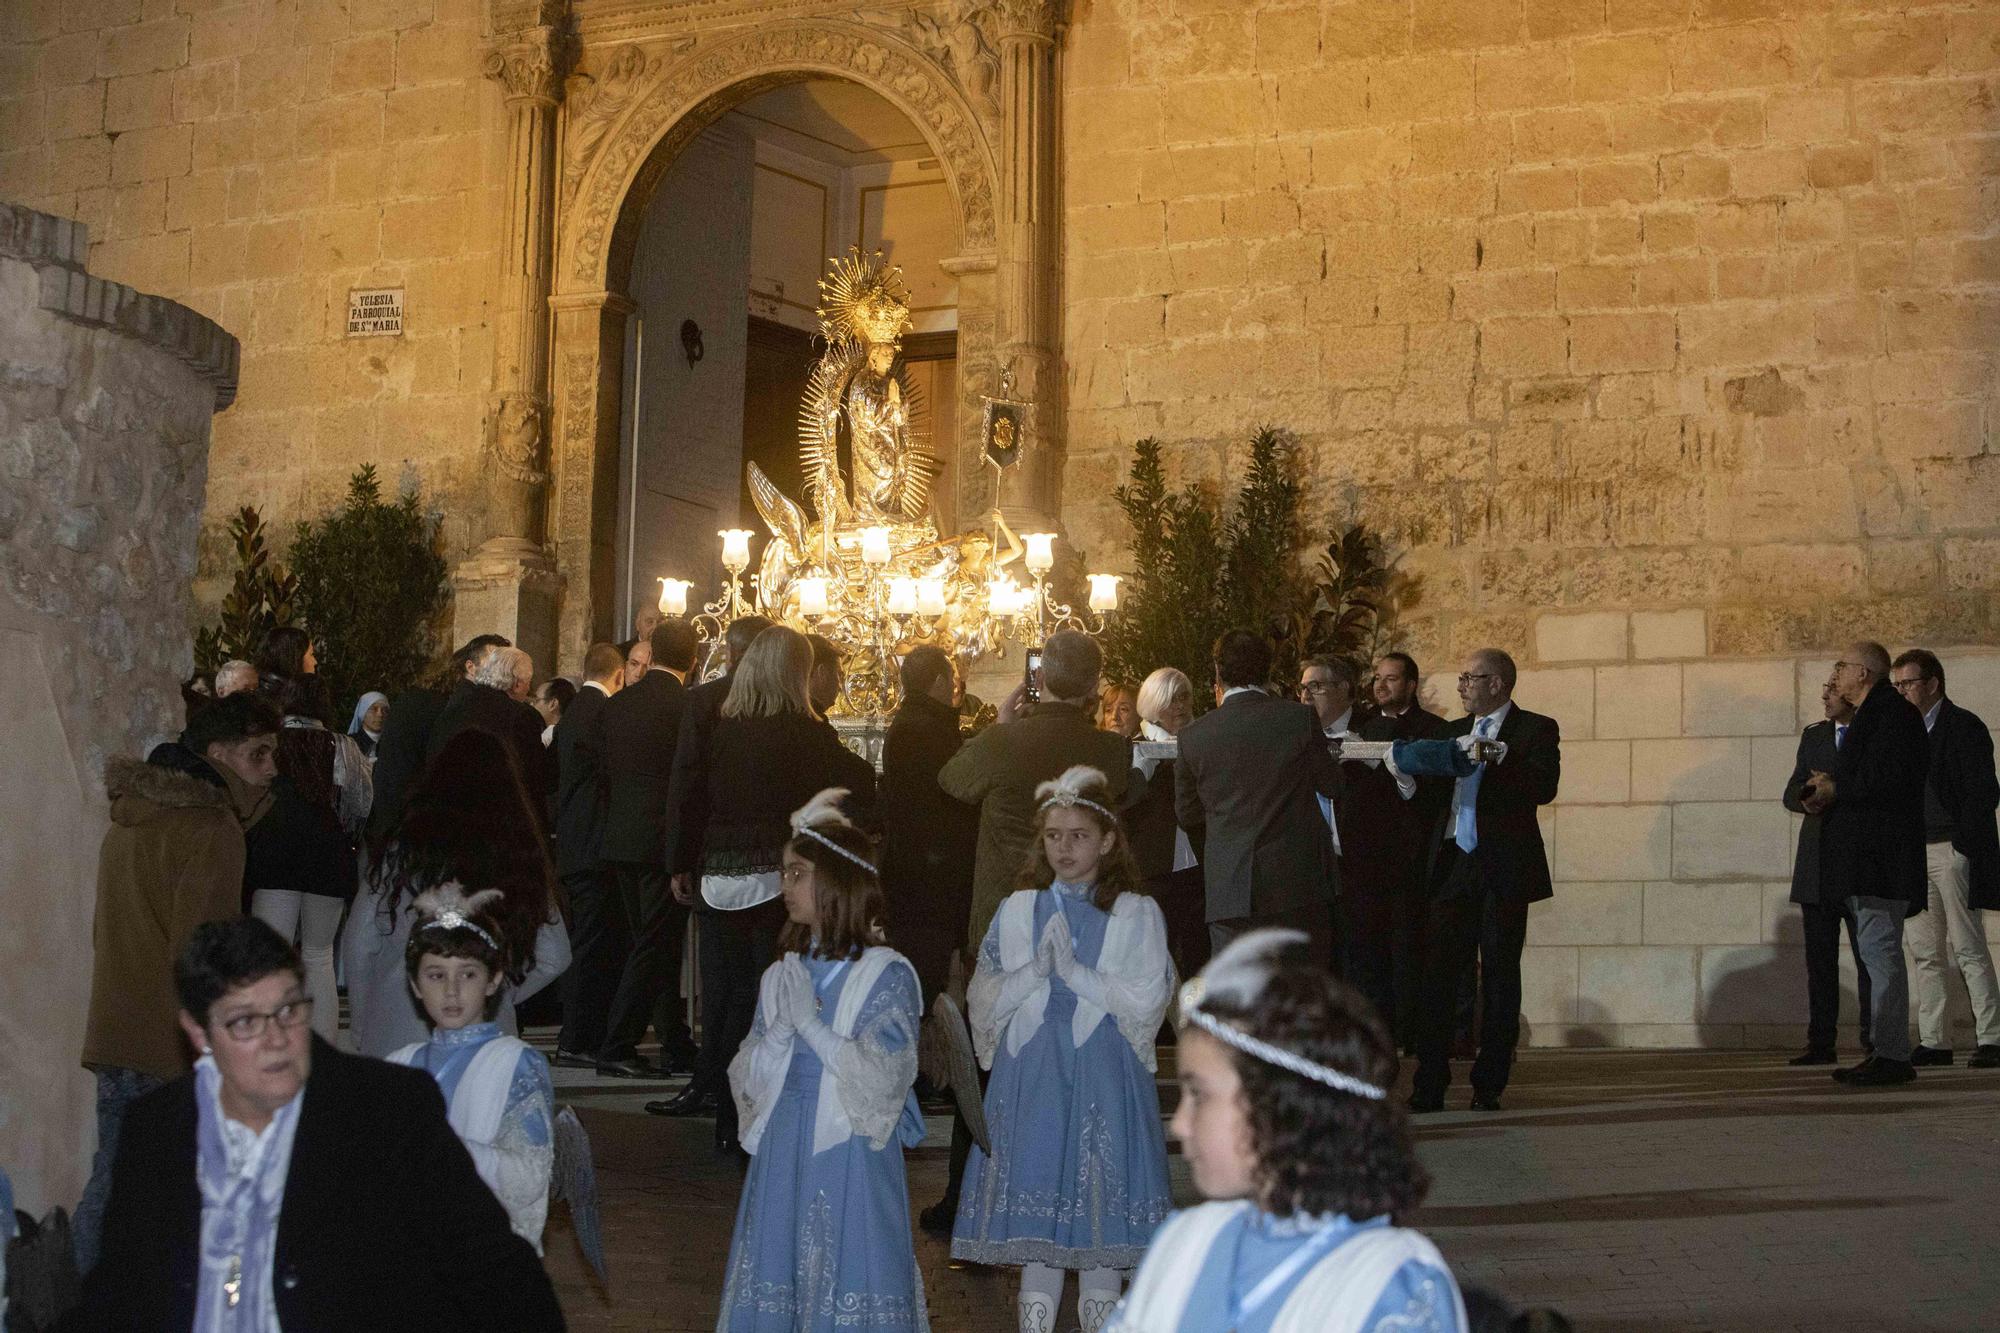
(1632,1190)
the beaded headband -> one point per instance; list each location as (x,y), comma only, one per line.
(1067,790)
(447,908)
(825,809)
(1240,973)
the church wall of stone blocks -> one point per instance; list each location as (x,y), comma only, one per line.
(1658,337)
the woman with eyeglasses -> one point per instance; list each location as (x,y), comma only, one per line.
(286,1184)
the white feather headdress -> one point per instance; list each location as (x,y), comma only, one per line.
(1069,788)
(823,811)
(1238,976)
(448,907)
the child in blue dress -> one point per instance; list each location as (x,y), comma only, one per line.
(822,1089)
(1286,1121)
(500,1097)
(1065,1006)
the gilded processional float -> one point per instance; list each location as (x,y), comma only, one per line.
(861,559)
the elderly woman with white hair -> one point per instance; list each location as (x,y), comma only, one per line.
(1169,859)
(493,697)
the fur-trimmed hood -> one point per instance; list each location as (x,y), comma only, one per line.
(141,792)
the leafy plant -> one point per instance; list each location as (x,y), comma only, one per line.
(1198,572)
(1350,601)
(261,597)
(371,582)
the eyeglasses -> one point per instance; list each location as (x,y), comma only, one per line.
(1316,687)
(249,1027)
(1913,683)
(1467,677)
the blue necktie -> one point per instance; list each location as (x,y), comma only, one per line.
(1466,831)
(1839,734)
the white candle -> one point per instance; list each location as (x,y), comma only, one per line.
(735,547)
(1000,596)
(674,596)
(875,546)
(930,597)
(1103,591)
(812,595)
(1041,557)
(902,597)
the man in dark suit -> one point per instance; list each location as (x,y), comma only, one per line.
(642,727)
(928,839)
(1871,845)
(404,746)
(1962,855)
(599,934)
(1404,836)
(493,698)
(1250,774)
(1487,865)
(1819,751)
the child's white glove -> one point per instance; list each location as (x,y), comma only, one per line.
(1061,946)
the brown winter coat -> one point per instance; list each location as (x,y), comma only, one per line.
(172,859)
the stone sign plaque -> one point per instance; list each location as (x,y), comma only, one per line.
(375,312)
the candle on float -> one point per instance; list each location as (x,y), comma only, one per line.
(1103,591)
(812,595)
(902,597)
(735,547)
(1000,596)
(1041,556)
(875,546)
(674,596)
(930,597)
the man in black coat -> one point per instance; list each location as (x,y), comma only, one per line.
(493,698)
(404,746)
(599,934)
(1819,751)
(1962,857)
(1871,845)
(1487,864)
(383,1223)
(1250,774)
(928,839)
(642,729)
(1403,841)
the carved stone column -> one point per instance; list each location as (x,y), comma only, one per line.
(1026,275)
(508,586)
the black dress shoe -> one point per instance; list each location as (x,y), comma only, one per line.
(1484,1102)
(939,1217)
(1880,1072)
(1424,1105)
(1930,1055)
(1843,1075)
(572,1060)
(689,1101)
(1815,1055)
(1986,1057)
(632,1067)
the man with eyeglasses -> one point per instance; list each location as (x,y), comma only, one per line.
(1871,846)
(1488,865)
(1962,860)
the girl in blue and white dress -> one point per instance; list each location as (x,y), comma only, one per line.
(497,1088)
(1287,1123)
(1065,1005)
(822,1089)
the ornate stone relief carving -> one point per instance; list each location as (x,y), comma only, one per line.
(961,39)
(516,438)
(594,105)
(530,64)
(690,93)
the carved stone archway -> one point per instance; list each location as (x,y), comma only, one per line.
(977,77)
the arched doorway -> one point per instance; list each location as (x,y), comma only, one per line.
(621,143)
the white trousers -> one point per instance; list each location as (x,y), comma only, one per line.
(313,921)
(1950,912)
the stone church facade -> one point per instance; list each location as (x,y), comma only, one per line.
(1657,336)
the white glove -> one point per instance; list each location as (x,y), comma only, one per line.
(797,1001)
(1044,960)
(1061,945)
(1499,748)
